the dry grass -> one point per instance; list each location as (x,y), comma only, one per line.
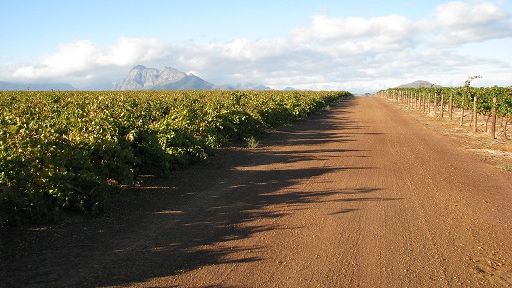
(496,151)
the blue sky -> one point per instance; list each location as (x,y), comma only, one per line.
(47,23)
(278,43)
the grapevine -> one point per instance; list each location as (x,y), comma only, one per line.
(69,151)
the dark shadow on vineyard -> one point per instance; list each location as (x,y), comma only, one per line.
(173,226)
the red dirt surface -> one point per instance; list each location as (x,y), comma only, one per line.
(359,196)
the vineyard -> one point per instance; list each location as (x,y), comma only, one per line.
(494,104)
(69,151)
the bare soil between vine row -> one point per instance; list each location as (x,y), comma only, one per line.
(362,195)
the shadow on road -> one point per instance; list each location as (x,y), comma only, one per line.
(176,225)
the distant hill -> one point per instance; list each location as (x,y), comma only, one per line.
(418,84)
(143,78)
(189,82)
(243,86)
(14,86)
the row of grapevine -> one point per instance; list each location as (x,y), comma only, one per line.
(70,150)
(492,103)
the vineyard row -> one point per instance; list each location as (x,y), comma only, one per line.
(492,103)
(68,151)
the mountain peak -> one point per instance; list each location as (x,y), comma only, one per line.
(144,78)
(139,67)
(418,84)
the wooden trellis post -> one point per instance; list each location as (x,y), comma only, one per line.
(475,116)
(493,116)
(442,105)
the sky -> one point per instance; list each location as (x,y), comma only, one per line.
(358,46)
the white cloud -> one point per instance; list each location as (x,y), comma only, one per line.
(393,27)
(327,53)
(461,14)
(128,51)
(80,57)
(461,22)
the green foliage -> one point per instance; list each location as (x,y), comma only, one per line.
(68,151)
(252,143)
(463,97)
(504,108)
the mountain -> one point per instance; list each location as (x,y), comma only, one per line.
(418,84)
(243,86)
(143,78)
(189,82)
(13,86)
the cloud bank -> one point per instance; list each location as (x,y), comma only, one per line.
(353,53)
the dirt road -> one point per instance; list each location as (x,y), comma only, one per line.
(360,196)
